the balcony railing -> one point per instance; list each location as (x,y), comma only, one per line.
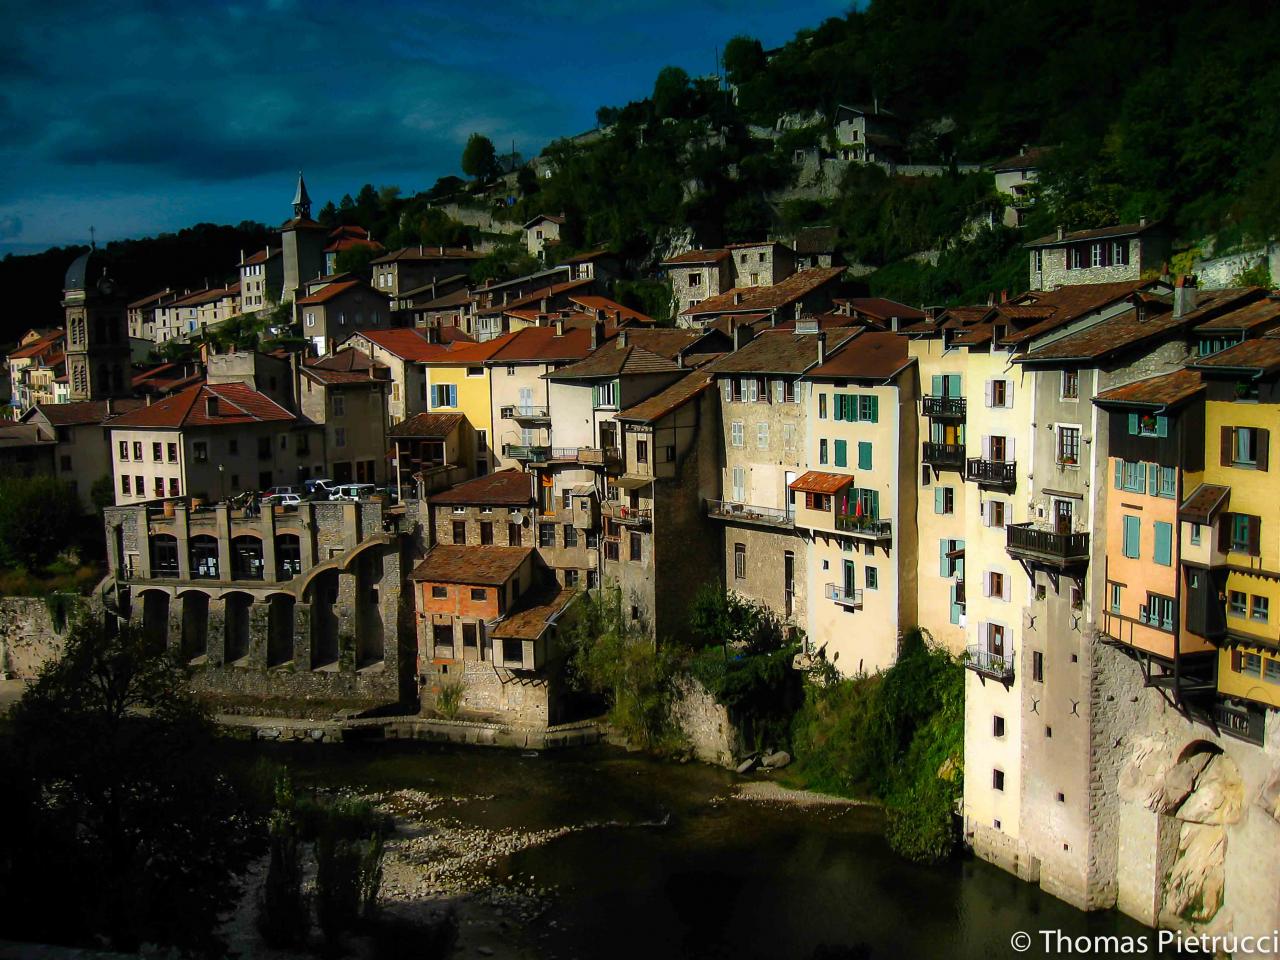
(846,598)
(944,408)
(982,661)
(750,513)
(524,412)
(944,455)
(864,527)
(632,516)
(541,453)
(527,451)
(1037,542)
(1240,721)
(996,473)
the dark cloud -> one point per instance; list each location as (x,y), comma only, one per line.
(10,228)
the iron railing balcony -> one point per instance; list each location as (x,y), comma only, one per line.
(526,451)
(993,473)
(1040,543)
(846,598)
(624,514)
(944,455)
(750,513)
(864,527)
(1240,721)
(945,408)
(982,661)
(525,412)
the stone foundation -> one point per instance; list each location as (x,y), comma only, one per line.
(29,635)
(706,724)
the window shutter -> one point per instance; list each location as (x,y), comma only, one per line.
(1011,448)
(1225,522)
(986,514)
(1119,473)
(837,403)
(875,410)
(1162,426)
(1008,394)
(1255,536)
(864,455)
(1153,479)
(1235,660)
(938,501)
(986,583)
(1226,447)
(988,391)
(1164,544)
(842,456)
(1133,424)
(728,390)
(875,504)
(943,569)
(939,385)
(986,448)
(1261,447)
(1007,593)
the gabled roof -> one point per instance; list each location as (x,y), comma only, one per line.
(1260,357)
(541,345)
(588,256)
(334,290)
(510,488)
(882,309)
(1102,233)
(534,613)
(1069,303)
(781,352)
(1165,390)
(817,481)
(611,308)
(1211,303)
(23,435)
(48,343)
(1100,340)
(345,366)
(754,299)
(638,351)
(208,295)
(422,253)
(692,258)
(537,296)
(402,342)
(665,401)
(871,355)
(150,299)
(1029,159)
(350,243)
(426,426)
(554,218)
(1260,313)
(84,412)
(236,405)
(483,566)
(262,256)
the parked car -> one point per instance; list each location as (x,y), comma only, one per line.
(353,491)
(284,500)
(320,488)
(275,493)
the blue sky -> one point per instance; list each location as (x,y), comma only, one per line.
(140,117)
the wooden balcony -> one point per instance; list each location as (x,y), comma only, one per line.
(845,598)
(864,528)
(750,513)
(627,515)
(943,456)
(951,409)
(1038,543)
(987,664)
(992,473)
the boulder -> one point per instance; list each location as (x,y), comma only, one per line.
(747,765)
(1194,889)
(1218,796)
(776,760)
(1269,796)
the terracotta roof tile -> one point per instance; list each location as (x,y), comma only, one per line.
(645,351)
(1261,355)
(454,563)
(537,296)
(330,291)
(513,488)
(1249,317)
(872,355)
(781,294)
(431,426)
(1071,302)
(235,405)
(665,401)
(1112,335)
(694,257)
(541,345)
(1164,390)
(611,308)
(816,481)
(534,612)
(86,412)
(780,352)
(882,309)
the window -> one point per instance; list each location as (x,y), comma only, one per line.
(157,452)
(1250,664)
(158,486)
(996,511)
(444,395)
(779,391)
(137,450)
(864,455)
(822,406)
(1038,261)
(1158,612)
(1164,543)
(997,393)
(514,535)
(459,531)
(740,484)
(338,404)
(124,449)
(173,453)
(740,561)
(1096,258)
(695,279)
(124,486)
(822,452)
(997,726)
(869,409)
(735,433)
(842,453)
(1195,534)
(635,547)
(1245,447)
(642,451)
(173,486)
(950,560)
(1260,609)
(1131,476)
(1120,252)
(1238,603)
(762,436)
(1271,671)
(1113,597)
(475,371)
(65,462)
(339,436)
(871,577)
(486,533)
(997,780)
(567,498)
(478,593)
(1169,490)
(570,535)
(546,535)
(439,592)
(605,394)
(140,486)
(944,500)
(995,584)
(1132,537)
(1244,533)
(1070,384)
(1037,666)
(1069,446)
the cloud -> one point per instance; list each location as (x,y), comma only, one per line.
(10,227)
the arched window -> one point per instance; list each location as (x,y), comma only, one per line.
(288,556)
(204,557)
(164,555)
(246,558)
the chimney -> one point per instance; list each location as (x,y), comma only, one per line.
(1004,296)
(109,407)
(1184,296)
(559,326)
(597,334)
(1142,221)
(442,250)
(742,335)
(544,305)
(1062,232)
(822,346)
(622,339)
(211,405)
(421,252)
(991,299)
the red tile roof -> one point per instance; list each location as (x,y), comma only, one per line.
(816,481)
(84,412)
(1121,332)
(871,355)
(511,488)
(665,401)
(262,256)
(541,345)
(235,405)
(537,296)
(1164,390)
(611,308)
(41,347)
(427,426)
(349,243)
(882,309)
(781,352)
(781,294)
(1071,302)
(345,366)
(330,291)
(487,566)
(1029,159)
(402,342)
(1261,355)
(1251,316)
(695,257)
(534,613)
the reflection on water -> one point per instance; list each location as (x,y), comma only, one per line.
(719,878)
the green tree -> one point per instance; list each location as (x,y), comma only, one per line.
(39,518)
(743,58)
(355,259)
(118,804)
(670,92)
(479,158)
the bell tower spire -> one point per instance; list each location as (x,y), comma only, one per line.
(301,201)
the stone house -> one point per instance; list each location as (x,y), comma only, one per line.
(142,314)
(346,395)
(491,316)
(761,264)
(261,279)
(1108,255)
(291,604)
(411,268)
(1015,179)
(698,274)
(401,351)
(336,311)
(805,293)
(867,133)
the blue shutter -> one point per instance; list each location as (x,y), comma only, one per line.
(1133,424)
(939,385)
(842,458)
(939,499)
(944,565)
(1153,479)
(1132,533)
(955,607)
(1119,473)
(1164,544)
(1162,426)
(864,455)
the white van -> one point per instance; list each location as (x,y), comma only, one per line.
(352,491)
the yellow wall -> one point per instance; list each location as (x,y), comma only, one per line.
(1254,687)
(473,397)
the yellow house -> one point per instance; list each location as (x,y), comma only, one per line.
(458,381)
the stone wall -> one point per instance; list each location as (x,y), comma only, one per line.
(706,724)
(29,637)
(1221,272)
(490,691)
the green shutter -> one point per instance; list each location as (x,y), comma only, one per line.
(939,385)
(939,499)
(1133,424)
(1119,473)
(1132,533)
(864,455)
(873,498)
(1164,544)
(842,457)
(944,565)
(837,404)
(1153,479)
(1162,426)
(875,409)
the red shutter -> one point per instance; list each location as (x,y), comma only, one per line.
(1255,536)
(1225,459)
(1260,448)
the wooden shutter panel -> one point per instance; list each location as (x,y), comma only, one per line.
(1133,424)
(1261,448)
(988,391)
(1255,536)
(1008,393)
(1162,426)
(1007,584)
(1235,660)
(1119,473)
(1225,459)
(938,501)
(1225,522)
(875,409)
(939,385)
(942,559)
(1153,479)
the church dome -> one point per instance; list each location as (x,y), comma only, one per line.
(78,272)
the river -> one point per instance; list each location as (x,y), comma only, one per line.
(667,864)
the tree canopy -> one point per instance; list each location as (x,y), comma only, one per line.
(479,158)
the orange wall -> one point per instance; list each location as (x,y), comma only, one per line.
(458,603)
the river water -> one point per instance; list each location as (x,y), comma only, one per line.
(672,866)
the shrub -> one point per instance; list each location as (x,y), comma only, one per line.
(449,698)
(284,916)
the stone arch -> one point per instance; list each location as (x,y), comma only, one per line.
(236,626)
(246,557)
(370,636)
(195,624)
(279,629)
(1197,747)
(322,592)
(154,619)
(164,555)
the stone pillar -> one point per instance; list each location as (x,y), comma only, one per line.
(182,533)
(217,636)
(389,598)
(259,626)
(351,534)
(173,641)
(302,634)
(1148,845)
(268,528)
(307,535)
(347,612)
(222,530)
(144,544)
